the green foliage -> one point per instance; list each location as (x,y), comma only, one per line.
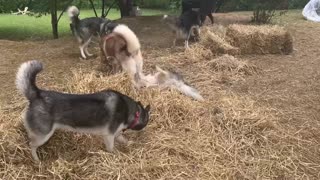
(264,11)
(25,27)
(12,5)
(295,4)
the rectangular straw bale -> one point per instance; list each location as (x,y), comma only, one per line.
(260,39)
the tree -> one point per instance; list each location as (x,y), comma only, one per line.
(125,7)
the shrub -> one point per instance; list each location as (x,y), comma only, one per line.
(264,11)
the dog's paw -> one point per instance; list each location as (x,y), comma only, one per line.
(82,58)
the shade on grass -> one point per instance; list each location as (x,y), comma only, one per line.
(27,27)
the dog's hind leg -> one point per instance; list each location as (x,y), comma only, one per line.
(82,51)
(186,42)
(174,42)
(37,141)
(86,44)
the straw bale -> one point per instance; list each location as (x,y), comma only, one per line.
(260,39)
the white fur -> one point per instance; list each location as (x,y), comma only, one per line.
(165,16)
(73,11)
(153,80)
(187,90)
(130,37)
(24,74)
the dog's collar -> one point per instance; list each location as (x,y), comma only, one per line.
(135,121)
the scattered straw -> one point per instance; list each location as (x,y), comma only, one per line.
(230,63)
(217,44)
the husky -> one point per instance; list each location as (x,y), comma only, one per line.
(84,29)
(106,113)
(169,79)
(184,26)
(120,42)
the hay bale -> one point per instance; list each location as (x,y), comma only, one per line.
(217,44)
(230,63)
(260,39)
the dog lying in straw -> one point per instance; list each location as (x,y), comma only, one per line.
(106,113)
(121,43)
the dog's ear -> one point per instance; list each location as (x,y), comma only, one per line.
(148,108)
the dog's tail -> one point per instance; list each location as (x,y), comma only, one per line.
(133,44)
(188,90)
(176,81)
(26,77)
(73,13)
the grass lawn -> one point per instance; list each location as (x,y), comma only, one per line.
(20,27)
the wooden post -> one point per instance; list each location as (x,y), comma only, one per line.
(125,7)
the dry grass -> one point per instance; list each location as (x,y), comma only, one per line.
(217,44)
(230,63)
(260,39)
(229,136)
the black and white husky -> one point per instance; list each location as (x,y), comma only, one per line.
(105,113)
(84,29)
(184,26)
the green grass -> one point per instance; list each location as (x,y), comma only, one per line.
(20,27)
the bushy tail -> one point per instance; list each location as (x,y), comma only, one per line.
(73,13)
(176,81)
(187,90)
(26,77)
(132,40)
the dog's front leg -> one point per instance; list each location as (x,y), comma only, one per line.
(109,142)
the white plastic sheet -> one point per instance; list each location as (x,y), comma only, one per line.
(312,10)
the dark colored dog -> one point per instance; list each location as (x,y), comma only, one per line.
(185,26)
(204,7)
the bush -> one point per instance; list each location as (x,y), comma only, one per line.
(160,4)
(7,6)
(264,11)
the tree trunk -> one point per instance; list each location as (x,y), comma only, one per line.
(103,8)
(125,7)
(54,18)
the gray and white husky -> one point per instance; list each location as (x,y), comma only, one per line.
(105,113)
(84,29)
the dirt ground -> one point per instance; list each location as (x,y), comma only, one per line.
(288,85)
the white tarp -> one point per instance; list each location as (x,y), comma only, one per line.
(312,10)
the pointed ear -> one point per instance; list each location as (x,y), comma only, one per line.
(148,108)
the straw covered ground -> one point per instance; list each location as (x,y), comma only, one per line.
(259,120)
